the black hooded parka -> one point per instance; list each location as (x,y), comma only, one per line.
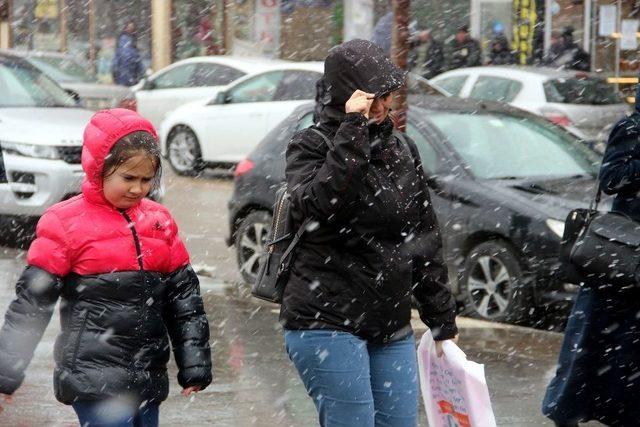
(374,240)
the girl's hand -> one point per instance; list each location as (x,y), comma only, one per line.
(360,102)
(186,392)
(6,399)
(439,350)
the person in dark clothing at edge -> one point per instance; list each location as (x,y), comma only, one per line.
(427,55)
(462,50)
(598,376)
(500,52)
(127,288)
(374,243)
(565,53)
(127,68)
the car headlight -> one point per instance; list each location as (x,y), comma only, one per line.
(30,150)
(556,226)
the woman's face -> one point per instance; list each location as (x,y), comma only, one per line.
(380,108)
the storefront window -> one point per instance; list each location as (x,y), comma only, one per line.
(194,32)
(36,25)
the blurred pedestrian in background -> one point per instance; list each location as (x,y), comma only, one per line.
(598,376)
(500,52)
(462,50)
(565,53)
(382,32)
(127,67)
(427,55)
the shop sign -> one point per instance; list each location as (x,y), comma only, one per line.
(267,26)
(46,9)
(629,40)
(608,18)
(358,19)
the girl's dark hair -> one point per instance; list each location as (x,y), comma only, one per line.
(127,147)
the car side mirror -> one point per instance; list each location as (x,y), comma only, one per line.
(75,95)
(148,84)
(223,98)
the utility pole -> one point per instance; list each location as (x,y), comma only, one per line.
(399,55)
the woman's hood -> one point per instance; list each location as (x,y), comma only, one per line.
(357,64)
(105,128)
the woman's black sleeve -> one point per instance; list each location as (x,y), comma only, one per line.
(322,181)
(436,304)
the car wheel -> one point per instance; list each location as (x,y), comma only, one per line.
(184,152)
(251,237)
(492,285)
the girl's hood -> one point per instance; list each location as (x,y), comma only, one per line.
(105,128)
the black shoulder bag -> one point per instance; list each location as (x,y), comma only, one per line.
(600,247)
(275,261)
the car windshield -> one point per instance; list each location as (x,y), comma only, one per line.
(503,146)
(21,85)
(62,70)
(584,91)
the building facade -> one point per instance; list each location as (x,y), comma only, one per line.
(170,30)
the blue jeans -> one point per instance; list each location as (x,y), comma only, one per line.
(116,413)
(353,383)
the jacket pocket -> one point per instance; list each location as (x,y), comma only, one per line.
(76,346)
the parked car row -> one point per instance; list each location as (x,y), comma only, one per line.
(41,128)
(502,181)
(584,103)
(76,79)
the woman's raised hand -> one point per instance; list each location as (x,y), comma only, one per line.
(360,102)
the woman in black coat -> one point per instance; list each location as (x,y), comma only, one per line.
(373,244)
(598,377)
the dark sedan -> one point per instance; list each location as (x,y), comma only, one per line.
(502,182)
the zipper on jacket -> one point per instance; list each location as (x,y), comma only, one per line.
(78,338)
(278,222)
(143,309)
(136,241)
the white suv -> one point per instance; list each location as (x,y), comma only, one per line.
(41,130)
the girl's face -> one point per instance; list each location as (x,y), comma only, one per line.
(130,182)
(380,108)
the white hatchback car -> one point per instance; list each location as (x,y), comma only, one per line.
(222,130)
(41,131)
(584,103)
(190,80)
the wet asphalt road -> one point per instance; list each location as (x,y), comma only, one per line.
(254,382)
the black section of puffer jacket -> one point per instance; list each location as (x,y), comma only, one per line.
(375,240)
(115,333)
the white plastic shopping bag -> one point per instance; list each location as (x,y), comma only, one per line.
(454,389)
